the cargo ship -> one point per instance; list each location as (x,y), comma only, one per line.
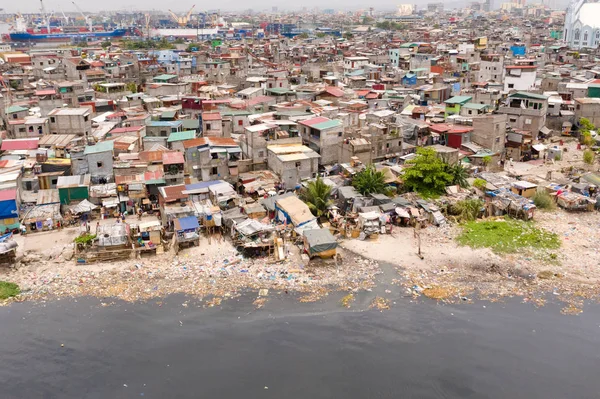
(64,37)
(64,34)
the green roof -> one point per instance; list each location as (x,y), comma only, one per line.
(327,125)
(235,112)
(180,136)
(102,146)
(458,100)
(16,108)
(280,90)
(475,106)
(189,124)
(168,114)
(164,77)
(524,94)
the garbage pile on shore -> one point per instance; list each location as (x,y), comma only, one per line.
(216,276)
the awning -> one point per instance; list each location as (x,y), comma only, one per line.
(544,130)
(539,147)
(186,223)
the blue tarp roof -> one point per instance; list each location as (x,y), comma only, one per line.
(202,184)
(186,223)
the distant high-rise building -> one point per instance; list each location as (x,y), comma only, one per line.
(274,9)
(435,7)
(487,6)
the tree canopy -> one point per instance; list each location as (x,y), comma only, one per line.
(317,196)
(369,181)
(427,174)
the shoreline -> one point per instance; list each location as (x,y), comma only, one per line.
(447,272)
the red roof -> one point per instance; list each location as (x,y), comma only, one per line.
(211,116)
(372,96)
(449,129)
(127,129)
(45,92)
(212,141)
(173,193)
(334,91)
(6,195)
(20,144)
(362,93)
(314,121)
(173,157)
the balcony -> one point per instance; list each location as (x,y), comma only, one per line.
(521,111)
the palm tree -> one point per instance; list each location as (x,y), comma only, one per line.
(317,196)
(369,181)
(459,175)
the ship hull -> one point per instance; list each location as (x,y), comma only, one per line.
(65,37)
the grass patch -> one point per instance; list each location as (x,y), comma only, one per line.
(507,236)
(8,290)
(544,201)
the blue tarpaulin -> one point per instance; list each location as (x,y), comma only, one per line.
(8,209)
(186,223)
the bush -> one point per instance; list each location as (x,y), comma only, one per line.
(480,184)
(557,157)
(466,210)
(588,157)
(543,200)
(8,290)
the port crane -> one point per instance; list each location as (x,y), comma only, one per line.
(182,21)
(87,18)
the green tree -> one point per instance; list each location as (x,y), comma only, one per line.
(106,44)
(588,157)
(486,161)
(459,175)
(369,181)
(427,174)
(317,196)
(303,35)
(586,127)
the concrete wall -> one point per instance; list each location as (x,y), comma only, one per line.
(100,164)
(490,132)
(71,124)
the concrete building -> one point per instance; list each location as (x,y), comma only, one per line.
(588,108)
(212,158)
(526,111)
(490,132)
(491,68)
(99,159)
(520,76)
(70,121)
(323,135)
(293,163)
(355,63)
(257,137)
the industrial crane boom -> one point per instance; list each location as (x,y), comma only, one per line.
(182,20)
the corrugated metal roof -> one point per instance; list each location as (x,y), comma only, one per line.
(103,146)
(73,181)
(173,157)
(181,136)
(20,144)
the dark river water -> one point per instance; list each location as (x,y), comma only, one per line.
(297,350)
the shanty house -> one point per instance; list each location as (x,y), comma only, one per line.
(73,188)
(100,161)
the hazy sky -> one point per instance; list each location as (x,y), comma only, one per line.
(225,5)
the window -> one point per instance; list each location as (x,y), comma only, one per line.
(214,171)
(576,34)
(261,154)
(528,121)
(21,130)
(585,37)
(513,120)
(339,134)
(30,129)
(99,164)
(28,186)
(208,127)
(387,145)
(298,164)
(497,139)
(86,118)
(52,119)
(240,123)
(511,85)
(163,133)
(54,182)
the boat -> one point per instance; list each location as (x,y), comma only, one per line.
(65,37)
